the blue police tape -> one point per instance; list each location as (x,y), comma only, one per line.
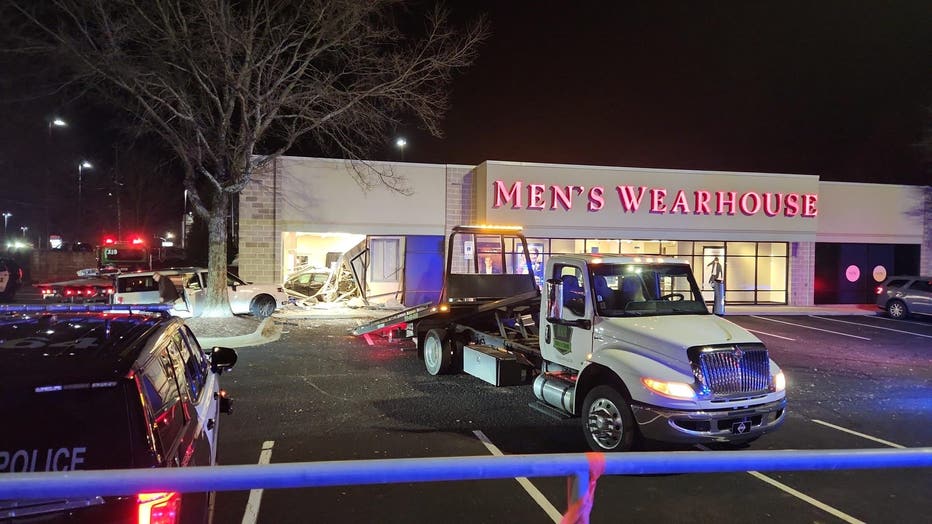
(360,472)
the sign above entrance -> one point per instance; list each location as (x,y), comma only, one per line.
(655,200)
(566,201)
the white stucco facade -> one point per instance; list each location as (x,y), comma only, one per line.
(320,197)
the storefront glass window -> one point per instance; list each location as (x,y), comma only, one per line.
(755,272)
(566,245)
(605,247)
(777,249)
(741,248)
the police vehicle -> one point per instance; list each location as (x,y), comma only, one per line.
(96,387)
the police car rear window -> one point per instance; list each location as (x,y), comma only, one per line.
(79,428)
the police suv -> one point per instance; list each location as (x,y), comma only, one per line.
(96,387)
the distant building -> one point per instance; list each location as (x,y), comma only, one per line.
(784,239)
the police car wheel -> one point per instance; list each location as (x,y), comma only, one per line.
(607,420)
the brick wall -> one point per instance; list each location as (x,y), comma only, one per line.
(259,235)
(802,273)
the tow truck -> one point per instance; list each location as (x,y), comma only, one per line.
(625,343)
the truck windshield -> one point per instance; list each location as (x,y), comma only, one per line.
(645,290)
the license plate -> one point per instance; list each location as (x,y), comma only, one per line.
(740,428)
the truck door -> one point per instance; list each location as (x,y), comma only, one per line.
(567,328)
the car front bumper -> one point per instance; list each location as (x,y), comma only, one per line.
(720,425)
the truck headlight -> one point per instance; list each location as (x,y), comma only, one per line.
(778,382)
(677,390)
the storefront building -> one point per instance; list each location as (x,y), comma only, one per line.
(783,239)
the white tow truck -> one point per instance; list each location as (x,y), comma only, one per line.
(625,343)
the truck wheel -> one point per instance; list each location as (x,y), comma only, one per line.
(438,357)
(607,420)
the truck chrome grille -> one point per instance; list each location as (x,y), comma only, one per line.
(732,371)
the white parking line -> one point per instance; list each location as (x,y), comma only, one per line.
(800,495)
(255,496)
(901,321)
(809,327)
(862,435)
(873,327)
(535,493)
(771,335)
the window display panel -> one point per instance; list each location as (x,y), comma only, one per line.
(777,249)
(676,247)
(744,297)
(567,245)
(739,273)
(771,297)
(771,273)
(606,247)
(741,248)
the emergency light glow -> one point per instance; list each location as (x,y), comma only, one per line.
(159,508)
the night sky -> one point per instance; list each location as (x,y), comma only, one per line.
(836,89)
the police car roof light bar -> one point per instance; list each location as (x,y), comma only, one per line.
(85,308)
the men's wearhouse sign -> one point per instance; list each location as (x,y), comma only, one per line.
(655,200)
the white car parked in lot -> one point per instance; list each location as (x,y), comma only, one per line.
(191,283)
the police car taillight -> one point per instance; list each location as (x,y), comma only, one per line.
(159,508)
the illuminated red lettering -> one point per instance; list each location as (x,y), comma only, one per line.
(657,204)
(679,202)
(565,197)
(792,205)
(768,198)
(752,208)
(809,205)
(596,200)
(629,201)
(503,196)
(535,196)
(722,201)
(702,202)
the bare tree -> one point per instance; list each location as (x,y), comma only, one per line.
(230,85)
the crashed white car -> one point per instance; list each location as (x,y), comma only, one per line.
(260,300)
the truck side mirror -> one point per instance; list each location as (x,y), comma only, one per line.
(555,299)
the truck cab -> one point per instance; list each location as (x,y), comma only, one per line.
(629,345)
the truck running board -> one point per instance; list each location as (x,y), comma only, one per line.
(549,410)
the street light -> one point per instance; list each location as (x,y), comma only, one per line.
(6,218)
(24,228)
(56,122)
(401,143)
(81,167)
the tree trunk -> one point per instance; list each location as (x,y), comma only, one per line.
(218,303)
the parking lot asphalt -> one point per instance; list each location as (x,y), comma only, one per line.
(856,381)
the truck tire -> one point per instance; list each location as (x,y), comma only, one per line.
(607,420)
(438,355)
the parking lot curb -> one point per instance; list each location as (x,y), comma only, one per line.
(268,331)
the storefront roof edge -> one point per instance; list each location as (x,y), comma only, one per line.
(643,169)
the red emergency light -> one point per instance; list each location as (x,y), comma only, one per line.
(109,241)
(137,241)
